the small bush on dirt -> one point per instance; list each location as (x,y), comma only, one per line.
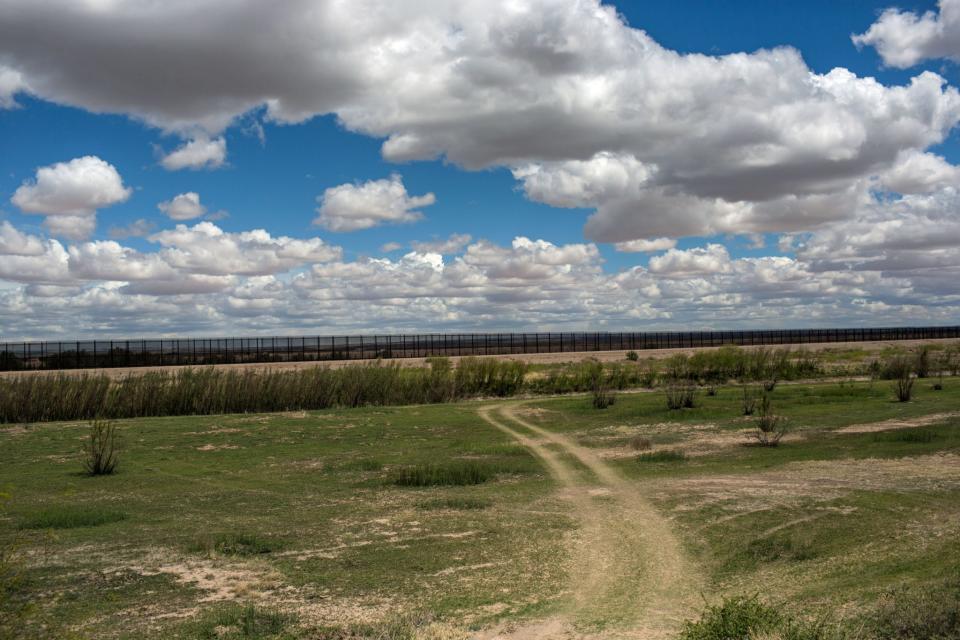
(633,356)
(236,544)
(239,622)
(664,455)
(640,443)
(919,612)
(770,427)
(749,619)
(72,517)
(460,473)
(681,395)
(101,452)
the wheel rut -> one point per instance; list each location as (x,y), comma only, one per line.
(629,576)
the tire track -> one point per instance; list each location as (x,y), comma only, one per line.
(629,576)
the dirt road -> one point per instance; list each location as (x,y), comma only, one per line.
(630,577)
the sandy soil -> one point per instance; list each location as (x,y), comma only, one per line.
(531,358)
(628,567)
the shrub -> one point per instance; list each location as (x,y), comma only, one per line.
(664,455)
(599,386)
(633,356)
(236,544)
(747,619)
(71,517)
(899,368)
(749,401)
(770,427)
(919,612)
(922,365)
(101,452)
(640,443)
(712,390)
(681,396)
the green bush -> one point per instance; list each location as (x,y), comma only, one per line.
(919,612)
(102,449)
(633,356)
(749,619)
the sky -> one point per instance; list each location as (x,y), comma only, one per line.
(234,167)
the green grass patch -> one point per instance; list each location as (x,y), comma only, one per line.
(240,622)
(71,517)
(906,435)
(459,473)
(458,504)
(236,544)
(664,455)
(748,618)
(361,464)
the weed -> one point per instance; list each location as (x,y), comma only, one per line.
(922,366)
(633,356)
(101,452)
(72,517)
(664,455)
(361,464)
(640,443)
(235,544)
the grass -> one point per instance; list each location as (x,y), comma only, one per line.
(71,517)
(236,544)
(664,455)
(304,508)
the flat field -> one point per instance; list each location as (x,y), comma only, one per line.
(531,518)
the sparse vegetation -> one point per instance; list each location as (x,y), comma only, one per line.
(681,395)
(236,544)
(770,427)
(749,403)
(102,449)
(914,612)
(240,622)
(640,443)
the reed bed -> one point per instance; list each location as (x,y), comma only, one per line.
(217,391)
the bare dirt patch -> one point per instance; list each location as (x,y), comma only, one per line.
(900,423)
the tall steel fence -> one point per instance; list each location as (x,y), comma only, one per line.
(17,356)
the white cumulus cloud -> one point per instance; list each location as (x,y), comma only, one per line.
(350,207)
(69,194)
(904,38)
(199,153)
(185,206)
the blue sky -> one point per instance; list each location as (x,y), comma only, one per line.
(723,249)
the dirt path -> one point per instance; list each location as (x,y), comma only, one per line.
(629,575)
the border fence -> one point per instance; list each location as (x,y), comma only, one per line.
(22,356)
